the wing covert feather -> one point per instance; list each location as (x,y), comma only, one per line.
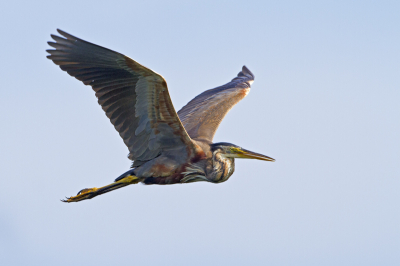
(202,115)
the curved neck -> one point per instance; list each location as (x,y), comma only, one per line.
(222,167)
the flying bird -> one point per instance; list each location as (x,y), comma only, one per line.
(166,147)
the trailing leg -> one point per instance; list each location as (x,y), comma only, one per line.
(89,193)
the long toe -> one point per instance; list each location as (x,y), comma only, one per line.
(86,193)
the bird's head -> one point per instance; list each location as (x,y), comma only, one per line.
(230,150)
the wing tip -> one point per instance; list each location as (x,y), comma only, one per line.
(63,33)
(64,36)
(245,71)
(245,76)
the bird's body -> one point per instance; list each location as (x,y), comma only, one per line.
(166,147)
(206,165)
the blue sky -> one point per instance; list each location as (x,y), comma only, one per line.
(324,104)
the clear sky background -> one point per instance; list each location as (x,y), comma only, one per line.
(325,104)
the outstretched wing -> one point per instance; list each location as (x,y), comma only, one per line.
(202,115)
(134,98)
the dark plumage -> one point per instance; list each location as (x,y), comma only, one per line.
(166,147)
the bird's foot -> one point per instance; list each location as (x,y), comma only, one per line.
(89,193)
(86,193)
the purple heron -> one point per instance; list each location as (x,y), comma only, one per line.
(166,147)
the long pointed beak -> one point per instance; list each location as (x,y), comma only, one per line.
(252,155)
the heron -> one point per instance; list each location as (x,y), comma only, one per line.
(166,147)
